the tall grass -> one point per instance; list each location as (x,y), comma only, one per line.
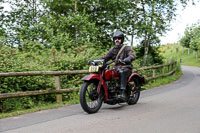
(180,54)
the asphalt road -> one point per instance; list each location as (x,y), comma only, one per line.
(173,108)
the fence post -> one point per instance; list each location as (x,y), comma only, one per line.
(172,68)
(163,69)
(180,60)
(175,65)
(154,74)
(168,68)
(57,82)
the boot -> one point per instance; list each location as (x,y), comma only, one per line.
(122,96)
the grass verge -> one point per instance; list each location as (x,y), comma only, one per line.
(38,108)
(165,80)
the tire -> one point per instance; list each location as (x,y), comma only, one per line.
(90,100)
(133,92)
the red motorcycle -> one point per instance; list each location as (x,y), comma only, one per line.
(103,86)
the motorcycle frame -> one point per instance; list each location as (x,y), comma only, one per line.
(102,83)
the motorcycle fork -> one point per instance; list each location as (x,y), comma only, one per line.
(102,83)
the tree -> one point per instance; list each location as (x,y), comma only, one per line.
(153,20)
(186,39)
(191,38)
(71,23)
(195,37)
(105,15)
(2,23)
(22,21)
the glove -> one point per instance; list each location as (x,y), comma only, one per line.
(89,62)
(116,61)
(127,60)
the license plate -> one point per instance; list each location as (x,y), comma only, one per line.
(93,68)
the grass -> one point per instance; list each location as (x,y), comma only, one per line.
(164,80)
(38,108)
(177,52)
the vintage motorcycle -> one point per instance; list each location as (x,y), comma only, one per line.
(103,86)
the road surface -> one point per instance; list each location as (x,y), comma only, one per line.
(173,108)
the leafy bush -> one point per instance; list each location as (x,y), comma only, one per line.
(13,60)
(153,57)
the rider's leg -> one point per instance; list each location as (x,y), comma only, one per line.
(123,76)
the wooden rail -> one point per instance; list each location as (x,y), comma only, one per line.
(59,91)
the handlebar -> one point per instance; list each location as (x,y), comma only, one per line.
(119,60)
(101,62)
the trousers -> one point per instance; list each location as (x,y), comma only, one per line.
(123,77)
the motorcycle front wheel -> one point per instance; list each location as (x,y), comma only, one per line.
(90,100)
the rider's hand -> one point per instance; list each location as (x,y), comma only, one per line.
(89,62)
(127,60)
(117,61)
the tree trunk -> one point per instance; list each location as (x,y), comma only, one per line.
(76,31)
(196,54)
(146,50)
(132,39)
(188,51)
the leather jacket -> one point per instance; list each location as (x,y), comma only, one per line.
(126,52)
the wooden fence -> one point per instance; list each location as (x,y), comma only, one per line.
(171,68)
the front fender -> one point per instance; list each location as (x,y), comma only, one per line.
(101,83)
(91,76)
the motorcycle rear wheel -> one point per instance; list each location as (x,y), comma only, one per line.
(90,100)
(134,92)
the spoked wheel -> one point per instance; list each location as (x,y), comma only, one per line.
(90,100)
(133,92)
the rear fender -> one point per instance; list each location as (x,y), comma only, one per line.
(140,78)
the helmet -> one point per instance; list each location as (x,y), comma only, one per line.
(118,34)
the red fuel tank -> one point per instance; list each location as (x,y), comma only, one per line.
(111,75)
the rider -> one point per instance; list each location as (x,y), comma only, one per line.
(124,67)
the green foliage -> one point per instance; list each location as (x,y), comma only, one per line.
(14,60)
(195,41)
(77,22)
(165,80)
(154,56)
(180,54)
(2,29)
(11,60)
(186,39)
(191,38)
(60,31)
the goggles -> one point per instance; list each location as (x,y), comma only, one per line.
(117,38)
